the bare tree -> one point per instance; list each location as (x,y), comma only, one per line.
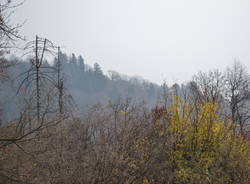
(59,83)
(38,90)
(164,97)
(66,103)
(9,32)
(208,87)
(238,94)
(39,75)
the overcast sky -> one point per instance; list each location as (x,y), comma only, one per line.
(157,39)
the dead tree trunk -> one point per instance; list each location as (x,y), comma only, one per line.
(37,83)
(60,84)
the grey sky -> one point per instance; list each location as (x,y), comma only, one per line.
(155,39)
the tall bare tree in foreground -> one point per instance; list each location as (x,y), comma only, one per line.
(38,77)
(38,89)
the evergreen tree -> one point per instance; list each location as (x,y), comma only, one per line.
(73,63)
(73,60)
(81,63)
(97,69)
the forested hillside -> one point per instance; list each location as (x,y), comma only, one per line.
(87,85)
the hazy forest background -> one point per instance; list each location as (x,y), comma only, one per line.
(64,121)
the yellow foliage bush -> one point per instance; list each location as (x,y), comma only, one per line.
(196,146)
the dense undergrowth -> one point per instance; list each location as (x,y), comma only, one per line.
(125,143)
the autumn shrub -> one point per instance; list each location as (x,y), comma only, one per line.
(189,144)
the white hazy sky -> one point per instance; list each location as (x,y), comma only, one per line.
(156,39)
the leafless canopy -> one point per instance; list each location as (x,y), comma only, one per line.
(9,32)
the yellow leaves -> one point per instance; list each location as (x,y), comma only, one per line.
(145,181)
(161,133)
(192,139)
(199,141)
(219,129)
(123,112)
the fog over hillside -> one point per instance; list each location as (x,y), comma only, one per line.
(92,118)
(87,84)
